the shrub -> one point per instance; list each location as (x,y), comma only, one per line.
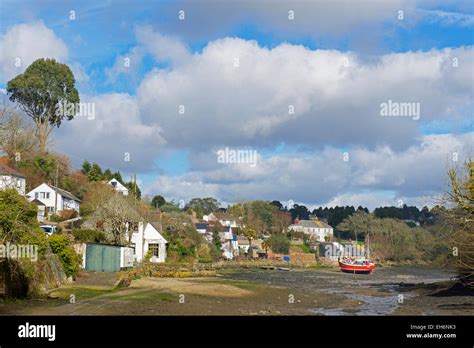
(56,218)
(204,254)
(279,243)
(91,236)
(61,246)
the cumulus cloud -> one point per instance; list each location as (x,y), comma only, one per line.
(241,94)
(28,42)
(370,177)
(113,135)
(163,48)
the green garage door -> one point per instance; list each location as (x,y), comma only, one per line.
(102,258)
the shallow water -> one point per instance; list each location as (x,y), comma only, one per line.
(378,293)
(369,305)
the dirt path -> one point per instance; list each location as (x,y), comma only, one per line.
(170,296)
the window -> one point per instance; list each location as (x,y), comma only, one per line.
(36,195)
(155,249)
(133,247)
(47,195)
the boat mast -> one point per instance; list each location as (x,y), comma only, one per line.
(368,247)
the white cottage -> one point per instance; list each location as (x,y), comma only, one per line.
(316,229)
(118,186)
(54,198)
(10,178)
(146,239)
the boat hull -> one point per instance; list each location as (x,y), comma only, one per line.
(356,269)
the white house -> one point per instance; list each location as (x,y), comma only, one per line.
(229,243)
(118,186)
(147,238)
(54,198)
(316,229)
(10,178)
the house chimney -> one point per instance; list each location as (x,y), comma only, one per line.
(193,213)
(297,220)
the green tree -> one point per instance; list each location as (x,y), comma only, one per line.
(133,189)
(86,167)
(202,206)
(461,219)
(279,243)
(41,91)
(17,216)
(95,173)
(359,223)
(277,204)
(108,175)
(158,201)
(250,234)
(216,239)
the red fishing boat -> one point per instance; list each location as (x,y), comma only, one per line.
(356,267)
(364,266)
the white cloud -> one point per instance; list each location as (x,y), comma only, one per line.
(115,131)
(370,177)
(28,42)
(448,18)
(334,105)
(163,48)
(128,64)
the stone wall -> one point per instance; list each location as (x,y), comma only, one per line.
(25,278)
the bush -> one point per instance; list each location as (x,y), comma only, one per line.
(61,246)
(279,243)
(56,218)
(204,254)
(304,248)
(91,236)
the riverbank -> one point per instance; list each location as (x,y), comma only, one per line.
(302,291)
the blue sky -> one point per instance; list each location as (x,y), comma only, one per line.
(174,156)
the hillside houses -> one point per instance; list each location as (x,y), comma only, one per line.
(316,229)
(53,199)
(228,239)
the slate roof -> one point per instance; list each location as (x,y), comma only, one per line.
(224,216)
(65,193)
(313,224)
(6,170)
